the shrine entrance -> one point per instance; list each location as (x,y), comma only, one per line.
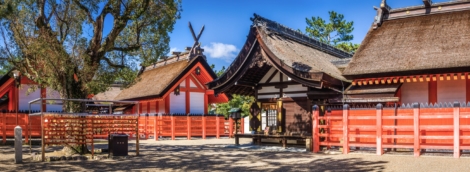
(269,113)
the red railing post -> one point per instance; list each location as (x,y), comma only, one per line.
(217,125)
(456,130)
(315,129)
(26,138)
(345,129)
(230,128)
(4,128)
(155,130)
(188,122)
(379,129)
(172,127)
(242,126)
(204,128)
(146,131)
(416,129)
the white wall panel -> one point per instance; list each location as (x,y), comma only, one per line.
(178,102)
(26,96)
(295,88)
(192,84)
(268,74)
(296,95)
(196,105)
(276,78)
(53,94)
(451,91)
(268,96)
(269,90)
(413,92)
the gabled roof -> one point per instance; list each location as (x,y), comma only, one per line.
(303,59)
(414,41)
(157,79)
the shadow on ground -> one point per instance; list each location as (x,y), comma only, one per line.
(203,158)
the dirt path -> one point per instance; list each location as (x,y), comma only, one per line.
(214,155)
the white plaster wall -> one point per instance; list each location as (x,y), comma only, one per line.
(451,91)
(270,89)
(25,97)
(196,105)
(53,94)
(268,74)
(178,102)
(295,88)
(413,92)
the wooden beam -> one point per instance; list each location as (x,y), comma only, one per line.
(427,3)
(353,83)
(272,76)
(377,81)
(245,84)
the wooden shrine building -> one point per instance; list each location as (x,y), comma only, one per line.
(175,85)
(415,54)
(287,72)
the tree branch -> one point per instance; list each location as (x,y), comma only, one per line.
(128,48)
(112,64)
(86,10)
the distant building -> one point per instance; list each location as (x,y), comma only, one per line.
(413,54)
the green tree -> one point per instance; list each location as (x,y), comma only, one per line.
(336,33)
(237,101)
(220,72)
(64,45)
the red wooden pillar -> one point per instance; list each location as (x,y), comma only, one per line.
(217,125)
(315,129)
(204,129)
(242,126)
(155,130)
(456,130)
(379,129)
(4,128)
(230,128)
(188,121)
(345,129)
(146,125)
(172,127)
(416,129)
(26,127)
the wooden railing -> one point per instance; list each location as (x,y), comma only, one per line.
(167,126)
(418,128)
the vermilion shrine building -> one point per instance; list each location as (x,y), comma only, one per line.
(175,85)
(415,54)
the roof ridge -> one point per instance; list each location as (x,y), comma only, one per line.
(298,36)
(167,61)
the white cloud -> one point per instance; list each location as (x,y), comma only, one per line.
(221,51)
(173,50)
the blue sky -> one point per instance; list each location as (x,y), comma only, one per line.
(227,22)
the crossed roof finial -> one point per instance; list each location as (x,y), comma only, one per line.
(196,50)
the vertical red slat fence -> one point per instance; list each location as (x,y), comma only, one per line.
(417,127)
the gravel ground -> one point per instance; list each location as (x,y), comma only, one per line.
(222,155)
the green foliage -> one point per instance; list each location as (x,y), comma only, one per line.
(220,72)
(337,32)
(237,101)
(347,46)
(62,44)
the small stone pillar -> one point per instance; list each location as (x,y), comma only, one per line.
(18,145)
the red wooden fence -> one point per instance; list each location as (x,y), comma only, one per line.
(167,126)
(446,127)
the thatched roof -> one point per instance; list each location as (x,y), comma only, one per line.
(269,44)
(301,56)
(108,95)
(153,81)
(433,41)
